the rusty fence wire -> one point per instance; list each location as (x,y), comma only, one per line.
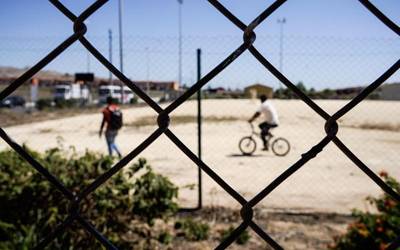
(331,127)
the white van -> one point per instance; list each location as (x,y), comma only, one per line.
(70,91)
(115,92)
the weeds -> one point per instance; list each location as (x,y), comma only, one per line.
(192,230)
(243,238)
(373,231)
(181,119)
(376,126)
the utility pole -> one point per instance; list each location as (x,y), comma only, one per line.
(147,71)
(88,62)
(180,2)
(87,55)
(110,51)
(121,48)
(199,132)
(281,22)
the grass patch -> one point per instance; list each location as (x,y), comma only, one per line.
(377,126)
(46,130)
(180,119)
(12,117)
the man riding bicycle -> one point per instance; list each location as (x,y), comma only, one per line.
(270,118)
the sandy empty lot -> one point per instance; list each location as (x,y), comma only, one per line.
(328,183)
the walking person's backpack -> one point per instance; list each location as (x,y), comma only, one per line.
(115,119)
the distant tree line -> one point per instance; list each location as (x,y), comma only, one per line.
(327,93)
(286,93)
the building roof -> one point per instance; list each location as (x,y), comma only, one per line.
(258,85)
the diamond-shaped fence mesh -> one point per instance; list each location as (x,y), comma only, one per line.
(331,127)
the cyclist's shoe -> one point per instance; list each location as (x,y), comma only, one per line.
(264,149)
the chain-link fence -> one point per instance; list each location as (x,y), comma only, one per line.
(327,183)
(313,61)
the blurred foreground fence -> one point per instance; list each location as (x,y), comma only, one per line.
(326,138)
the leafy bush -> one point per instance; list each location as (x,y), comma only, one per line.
(374,231)
(31,207)
(193,230)
(243,238)
(165,238)
(154,195)
(61,103)
(42,104)
(134,100)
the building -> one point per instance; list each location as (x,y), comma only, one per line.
(390,91)
(157,85)
(149,85)
(258,89)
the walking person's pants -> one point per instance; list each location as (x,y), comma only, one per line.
(110,138)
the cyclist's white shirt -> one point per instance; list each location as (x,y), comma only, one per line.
(268,112)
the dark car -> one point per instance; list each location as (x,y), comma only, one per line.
(12,101)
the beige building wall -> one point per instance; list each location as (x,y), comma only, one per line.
(390,91)
(256,90)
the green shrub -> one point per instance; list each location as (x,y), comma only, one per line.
(243,238)
(134,100)
(373,231)
(193,230)
(31,207)
(165,238)
(42,104)
(62,104)
(154,195)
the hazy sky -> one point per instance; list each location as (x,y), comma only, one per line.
(326,43)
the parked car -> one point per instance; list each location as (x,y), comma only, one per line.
(115,92)
(13,101)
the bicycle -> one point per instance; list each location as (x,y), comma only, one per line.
(248,145)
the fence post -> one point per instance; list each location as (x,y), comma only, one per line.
(199,117)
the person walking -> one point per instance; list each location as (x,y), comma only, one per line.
(270,118)
(112,118)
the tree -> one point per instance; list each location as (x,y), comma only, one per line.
(300,85)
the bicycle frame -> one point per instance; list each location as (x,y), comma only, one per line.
(253,132)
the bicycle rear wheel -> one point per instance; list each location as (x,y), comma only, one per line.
(247,145)
(280,146)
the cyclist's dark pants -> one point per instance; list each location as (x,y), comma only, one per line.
(265,126)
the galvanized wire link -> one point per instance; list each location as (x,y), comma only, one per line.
(331,127)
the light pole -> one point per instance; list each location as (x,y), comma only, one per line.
(147,71)
(281,22)
(87,55)
(121,48)
(88,62)
(110,51)
(180,2)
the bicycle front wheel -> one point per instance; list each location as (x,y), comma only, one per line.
(247,145)
(280,146)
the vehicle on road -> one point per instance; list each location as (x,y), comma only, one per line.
(13,101)
(73,91)
(115,92)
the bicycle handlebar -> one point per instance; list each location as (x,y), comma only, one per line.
(252,127)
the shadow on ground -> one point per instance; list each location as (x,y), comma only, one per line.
(249,156)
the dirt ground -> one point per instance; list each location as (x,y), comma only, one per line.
(329,183)
(291,231)
(16,116)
